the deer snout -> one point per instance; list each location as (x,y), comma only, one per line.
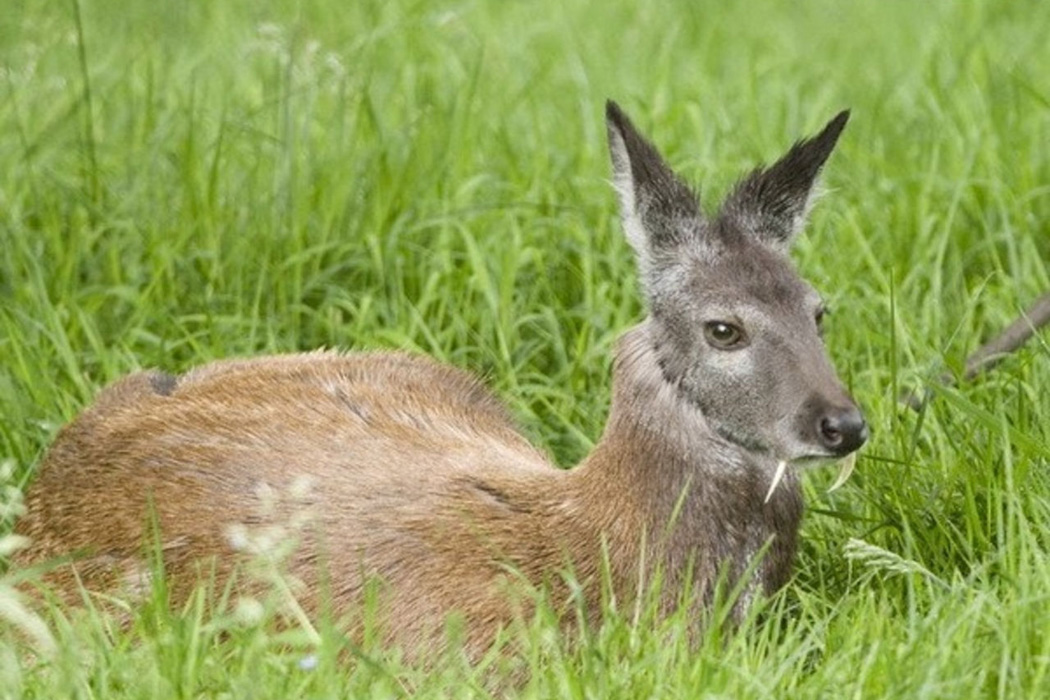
(841,430)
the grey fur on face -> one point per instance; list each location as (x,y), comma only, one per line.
(734,328)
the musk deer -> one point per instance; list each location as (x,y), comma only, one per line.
(411,473)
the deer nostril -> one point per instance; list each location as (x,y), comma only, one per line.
(842,430)
(830,435)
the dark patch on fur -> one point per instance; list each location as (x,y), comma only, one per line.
(352,406)
(494,493)
(163,383)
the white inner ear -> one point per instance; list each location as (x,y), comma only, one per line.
(625,189)
(798,222)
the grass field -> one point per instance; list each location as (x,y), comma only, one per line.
(181,182)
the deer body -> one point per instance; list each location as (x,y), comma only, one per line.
(398,469)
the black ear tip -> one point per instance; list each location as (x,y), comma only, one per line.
(616,116)
(837,124)
(831,132)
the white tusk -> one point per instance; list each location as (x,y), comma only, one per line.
(781,468)
(847,468)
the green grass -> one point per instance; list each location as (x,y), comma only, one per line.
(181,182)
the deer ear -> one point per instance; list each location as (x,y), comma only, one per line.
(657,209)
(772,203)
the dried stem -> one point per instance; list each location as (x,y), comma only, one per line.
(989,354)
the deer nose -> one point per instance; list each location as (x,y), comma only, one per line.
(842,430)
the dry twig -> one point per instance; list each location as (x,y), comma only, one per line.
(989,354)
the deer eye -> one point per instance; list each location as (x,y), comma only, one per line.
(724,336)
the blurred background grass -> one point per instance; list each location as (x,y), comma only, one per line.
(187,181)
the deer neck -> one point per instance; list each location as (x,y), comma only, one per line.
(695,498)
